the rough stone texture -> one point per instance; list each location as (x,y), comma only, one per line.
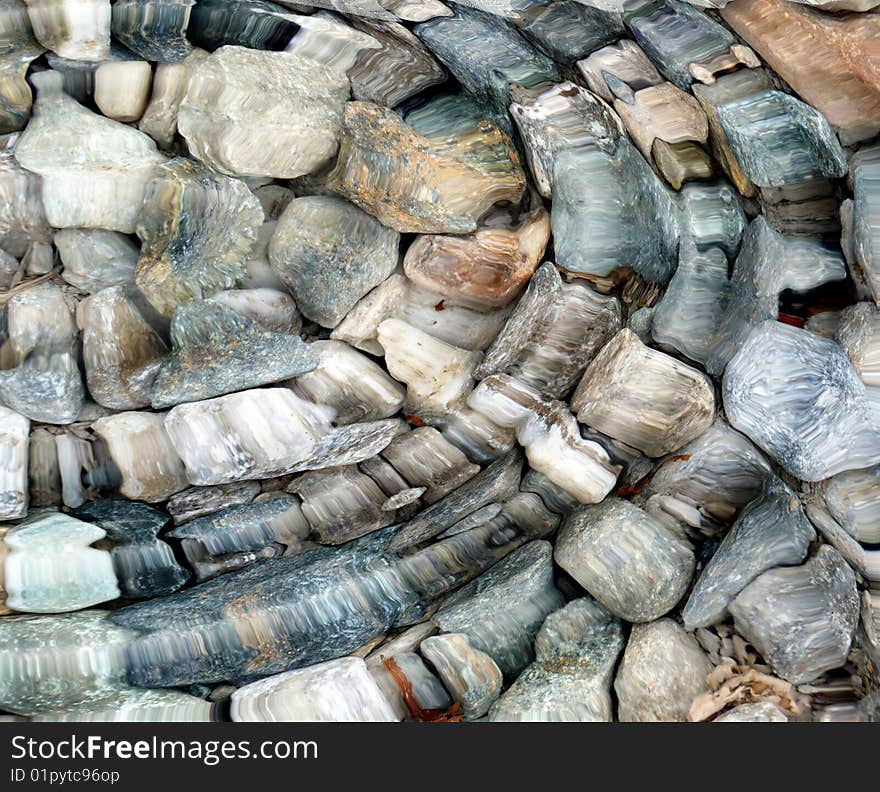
(471,676)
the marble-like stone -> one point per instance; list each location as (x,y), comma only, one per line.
(550,436)
(801,619)
(76,29)
(329,254)
(22,218)
(41,378)
(14,448)
(621,62)
(858,334)
(643,397)
(338,691)
(154,29)
(576,650)
(170,81)
(865,254)
(196,228)
(273,309)
(471,676)
(100,185)
(51,568)
(798,397)
(94,259)
(401,671)
(144,464)
(122,89)
(758,712)
(437,171)
(121,350)
(18,48)
(502,610)
(771,531)
(853,499)
(628,560)
(132,705)
(554,331)
(662,671)
(145,565)
(242,116)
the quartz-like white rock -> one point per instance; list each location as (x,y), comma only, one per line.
(338,691)
(14,444)
(471,676)
(159,119)
(94,259)
(122,88)
(75,29)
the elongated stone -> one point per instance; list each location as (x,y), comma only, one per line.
(217,350)
(771,531)
(351,383)
(826,58)
(101,186)
(85,651)
(798,397)
(252,434)
(801,619)
(275,310)
(329,254)
(144,565)
(240,534)
(609,209)
(501,611)
(707,484)
(471,676)
(22,218)
(75,466)
(496,482)
(142,462)
(236,114)
(570,680)
(170,81)
(658,403)
(550,436)
(485,270)
(41,379)
(339,691)
(552,334)
(662,671)
(402,68)
(51,568)
(438,171)
(77,30)
(567,30)
(865,224)
(199,501)
(18,48)
(94,259)
(486,54)
(14,445)
(196,227)
(121,351)
(296,611)
(350,444)
(628,560)
(341,504)
(131,705)
(154,29)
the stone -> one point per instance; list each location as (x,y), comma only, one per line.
(94,259)
(554,331)
(628,560)
(758,712)
(825,58)
(51,568)
(621,62)
(236,114)
(643,397)
(570,680)
(122,89)
(853,499)
(567,30)
(428,692)
(662,671)
(199,501)
(139,452)
(98,186)
(801,619)
(216,350)
(74,29)
(154,29)
(139,706)
(196,227)
(550,436)
(144,565)
(14,447)
(18,48)
(858,334)
(273,309)
(471,676)
(329,254)
(436,171)
(22,218)
(771,531)
(681,162)
(41,378)
(356,387)
(484,270)
(337,691)
(865,228)
(502,610)
(170,80)
(121,351)
(797,396)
